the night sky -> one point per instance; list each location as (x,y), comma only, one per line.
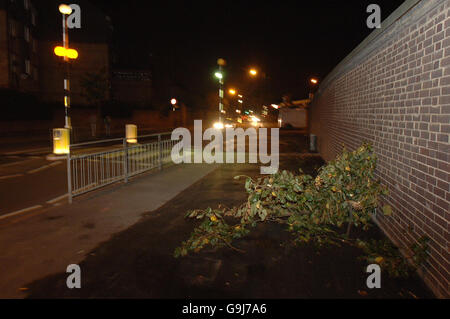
(289,41)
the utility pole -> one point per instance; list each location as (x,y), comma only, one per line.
(66,11)
(221,63)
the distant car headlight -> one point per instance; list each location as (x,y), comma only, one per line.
(218,125)
(229,125)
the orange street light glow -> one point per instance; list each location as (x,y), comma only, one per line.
(253,72)
(60,51)
(65,9)
(232,91)
(314,81)
(72,54)
(63,52)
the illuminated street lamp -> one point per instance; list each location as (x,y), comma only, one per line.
(232,91)
(65,9)
(253,72)
(63,52)
(313,83)
(67,54)
(174,103)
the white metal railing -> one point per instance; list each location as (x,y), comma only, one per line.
(93,168)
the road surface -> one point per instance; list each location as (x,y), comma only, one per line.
(30,182)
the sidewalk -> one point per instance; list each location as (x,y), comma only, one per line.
(46,242)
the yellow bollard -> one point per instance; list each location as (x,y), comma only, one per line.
(61,141)
(131,133)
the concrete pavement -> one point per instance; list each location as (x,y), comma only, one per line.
(47,240)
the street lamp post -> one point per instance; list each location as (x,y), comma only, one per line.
(221,63)
(232,92)
(259,96)
(312,84)
(174,103)
(66,11)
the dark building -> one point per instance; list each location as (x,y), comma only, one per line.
(132,87)
(29,31)
(19,59)
(92,41)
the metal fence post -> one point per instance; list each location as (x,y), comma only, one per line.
(69,179)
(125,160)
(159,152)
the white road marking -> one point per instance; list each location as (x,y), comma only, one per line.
(27,151)
(10,176)
(43,167)
(40,152)
(17,162)
(57,199)
(17,212)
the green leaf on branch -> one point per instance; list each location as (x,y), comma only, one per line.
(387,210)
(315,209)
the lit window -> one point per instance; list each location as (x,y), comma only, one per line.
(27,67)
(12,28)
(13,63)
(27,34)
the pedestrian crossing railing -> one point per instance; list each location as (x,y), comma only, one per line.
(105,162)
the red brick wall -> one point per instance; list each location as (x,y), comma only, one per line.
(394,91)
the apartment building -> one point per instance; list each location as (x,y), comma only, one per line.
(19,45)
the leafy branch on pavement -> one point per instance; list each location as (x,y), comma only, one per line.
(345,193)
